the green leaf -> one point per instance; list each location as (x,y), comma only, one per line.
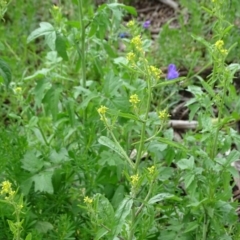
(39,91)
(86,101)
(43,181)
(121,214)
(120,61)
(44,30)
(39,74)
(191,226)
(109,158)
(186,163)
(233,156)
(43,227)
(5,72)
(105,214)
(110,144)
(29,237)
(129,9)
(61,47)
(100,233)
(207,87)
(70,109)
(169,82)
(171,143)
(188,179)
(51,100)
(31,162)
(162,196)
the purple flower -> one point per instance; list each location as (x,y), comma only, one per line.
(172,72)
(146,24)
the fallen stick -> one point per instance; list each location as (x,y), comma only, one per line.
(181,124)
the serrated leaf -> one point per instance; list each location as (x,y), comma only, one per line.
(110,144)
(61,47)
(43,182)
(109,158)
(45,29)
(5,72)
(121,214)
(31,162)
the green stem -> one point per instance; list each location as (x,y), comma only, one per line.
(83,55)
(121,149)
(43,135)
(220,113)
(146,199)
(132,227)
(205,227)
(140,148)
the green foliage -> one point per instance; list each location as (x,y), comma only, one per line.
(85,137)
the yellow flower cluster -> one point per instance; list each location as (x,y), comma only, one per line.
(130,56)
(130,23)
(3,3)
(102,110)
(219,45)
(134,179)
(151,169)
(18,90)
(7,189)
(163,114)
(155,72)
(137,42)
(55,7)
(134,99)
(88,200)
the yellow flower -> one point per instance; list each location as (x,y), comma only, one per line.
(219,46)
(130,23)
(137,42)
(155,72)
(6,188)
(130,56)
(151,169)
(134,99)
(163,114)
(18,90)
(102,110)
(88,200)
(134,179)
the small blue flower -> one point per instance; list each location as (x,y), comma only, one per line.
(172,72)
(123,35)
(146,24)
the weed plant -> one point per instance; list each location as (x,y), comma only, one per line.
(86,149)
